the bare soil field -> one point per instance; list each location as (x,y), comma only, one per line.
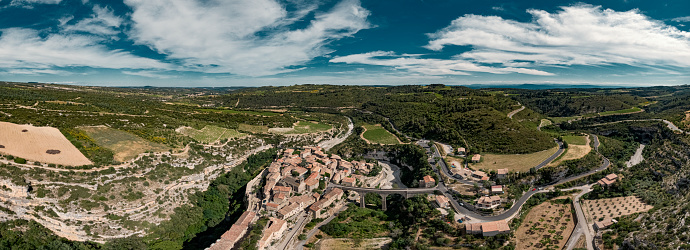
(41,144)
(602,209)
(517,162)
(253,128)
(209,134)
(573,152)
(548,225)
(126,146)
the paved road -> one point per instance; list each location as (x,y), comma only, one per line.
(385,191)
(582,226)
(552,157)
(467,210)
(300,244)
(301,221)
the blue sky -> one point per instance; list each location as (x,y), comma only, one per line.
(372,42)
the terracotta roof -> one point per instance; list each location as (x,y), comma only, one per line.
(611,176)
(502,171)
(349,180)
(476,157)
(427,179)
(282,189)
(442,199)
(497,188)
(273,205)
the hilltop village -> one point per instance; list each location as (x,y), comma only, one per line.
(293,189)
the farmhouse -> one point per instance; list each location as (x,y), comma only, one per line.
(502,173)
(601,225)
(608,180)
(476,158)
(442,201)
(488,202)
(487,229)
(427,182)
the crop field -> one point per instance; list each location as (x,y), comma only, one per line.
(126,146)
(516,162)
(210,134)
(41,144)
(378,134)
(576,140)
(601,209)
(547,226)
(252,128)
(303,127)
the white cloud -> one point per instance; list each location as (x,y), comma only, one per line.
(414,63)
(101,22)
(30,3)
(25,49)
(684,19)
(576,35)
(148,73)
(245,37)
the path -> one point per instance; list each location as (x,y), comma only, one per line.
(312,232)
(512,113)
(582,226)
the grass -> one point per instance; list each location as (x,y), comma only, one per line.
(519,162)
(126,146)
(303,127)
(378,134)
(245,112)
(252,128)
(575,140)
(210,134)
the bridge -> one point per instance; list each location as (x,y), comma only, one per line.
(405,192)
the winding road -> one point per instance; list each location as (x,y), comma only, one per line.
(512,113)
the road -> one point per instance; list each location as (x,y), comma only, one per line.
(552,157)
(582,226)
(303,218)
(512,113)
(300,244)
(518,204)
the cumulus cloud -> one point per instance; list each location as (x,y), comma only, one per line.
(26,49)
(245,37)
(576,35)
(101,22)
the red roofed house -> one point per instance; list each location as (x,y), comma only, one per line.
(317,209)
(608,180)
(282,190)
(488,202)
(348,181)
(427,182)
(497,189)
(272,206)
(279,198)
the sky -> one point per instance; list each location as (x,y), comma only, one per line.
(216,43)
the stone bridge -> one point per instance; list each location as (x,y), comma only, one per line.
(405,192)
